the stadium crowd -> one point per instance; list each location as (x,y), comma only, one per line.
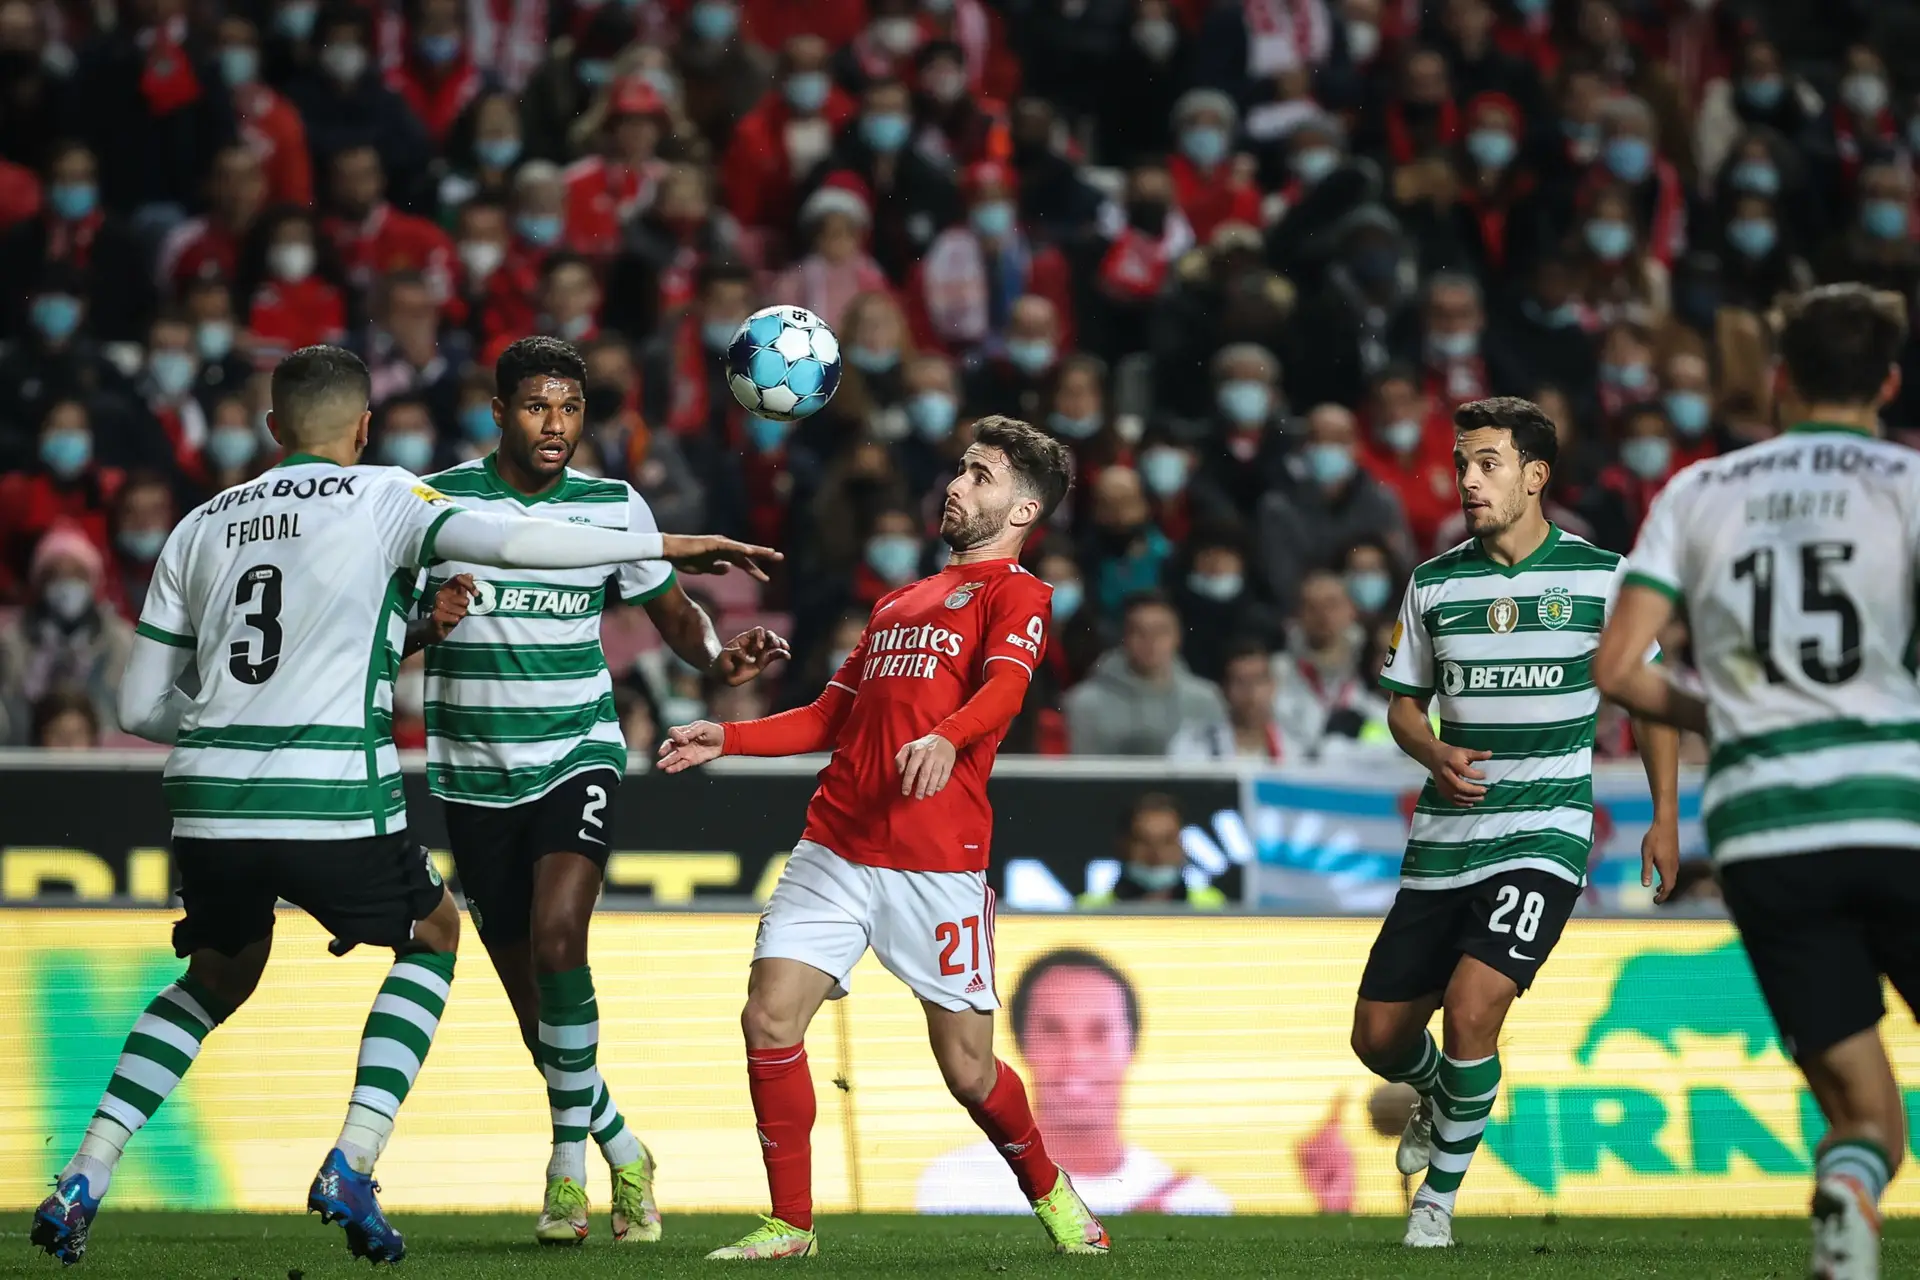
(1243,256)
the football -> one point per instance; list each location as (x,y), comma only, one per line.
(783,363)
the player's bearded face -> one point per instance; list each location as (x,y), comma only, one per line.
(544,424)
(969,521)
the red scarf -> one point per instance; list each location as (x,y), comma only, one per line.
(1135,266)
(72,241)
(167,80)
(1400,140)
(1490,213)
(688,408)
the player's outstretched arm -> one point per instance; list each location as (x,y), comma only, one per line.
(505,543)
(1622,672)
(151,702)
(798,732)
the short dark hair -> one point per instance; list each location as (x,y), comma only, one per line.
(1069,958)
(534,357)
(1148,802)
(313,380)
(1039,462)
(720,270)
(58,702)
(1147,598)
(1534,438)
(1245,647)
(1838,341)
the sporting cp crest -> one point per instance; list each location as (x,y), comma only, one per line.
(962,594)
(1555,608)
(1503,615)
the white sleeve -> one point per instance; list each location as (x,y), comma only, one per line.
(1409,667)
(508,543)
(1621,575)
(639,581)
(407,516)
(163,614)
(1655,561)
(151,701)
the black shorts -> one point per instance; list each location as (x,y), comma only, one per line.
(1820,929)
(1509,922)
(362,891)
(495,849)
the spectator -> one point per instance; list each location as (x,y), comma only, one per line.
(479,433)
(883,49)
(507,42)
(211,246)
(1321,692)
(1317,186)
(1688,400)
(962,294)
(561,88)
(73,229)
(538,228)
(407,352)
(607,189)
(1136,94)
(784,136)
(1125,553)
(143,516)
(1057,205)
(1250,731)
(1879,248)
(269,125)
(724,74)
(1136,261)
(57,359)
(1153,865)
(237,446)
(874,347)
(1630,158)
(345,105)
(569,298)
(65,720)
(1210,185)
(835,221)
(1219,602)
(1628,487)
(436,76)
(663,250)
(892,557)
(1409,449)
(63,638)
(683,383)
(68,487)
(1246,450)
(1331,505)
(1616,275)
(36,83)
(482,236)
(1499,219)
(652,461)
(174,419)
(1757,266)
(405,437)
(950,122)
(1627,375)
(224,363)
(1542,335)
(1012,377)
(1476,64)
(296,299)
(1863,125)
(1370,579)
(1140,693)
(1453,356)
(1345,331)
(930,404)
(1421,120)
(912,196)
(485,145)
(372,238)
(1761,93)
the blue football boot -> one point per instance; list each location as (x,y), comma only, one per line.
(61,1222)
(340,1195)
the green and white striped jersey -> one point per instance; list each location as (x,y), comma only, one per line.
(1508,650)
(518,696)
(1796,563)
(293,592)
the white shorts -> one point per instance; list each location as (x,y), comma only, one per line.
(932,929)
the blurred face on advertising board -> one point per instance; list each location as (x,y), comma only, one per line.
(1078,1045)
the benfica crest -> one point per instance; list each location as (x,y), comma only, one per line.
(962,594)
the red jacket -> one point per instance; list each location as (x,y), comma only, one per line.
(602,195)
(1423,480)
(512,304)
(771,23)
(19,194)
(437,98)
(273,130)
(387,241)
(1209,199)
(284,317)
(194,250)
(754,176)
(32,502)
(1048,276)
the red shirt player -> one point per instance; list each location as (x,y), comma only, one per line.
(894,855)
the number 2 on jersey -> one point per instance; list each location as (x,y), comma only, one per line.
(947,933)
(1816,597)
(258,590)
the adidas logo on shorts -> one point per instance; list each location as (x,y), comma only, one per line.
(975,986)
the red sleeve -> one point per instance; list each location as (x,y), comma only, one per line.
(1015,631)
(991,709)
(791,733)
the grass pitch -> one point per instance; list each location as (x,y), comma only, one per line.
(151,1246)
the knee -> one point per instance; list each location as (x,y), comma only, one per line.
(229,982)
(440,931)
(1377,1038)
(766,1027)
(971,1079)
(559,945)
(1472,1030)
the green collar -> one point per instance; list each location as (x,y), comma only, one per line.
(305,459)
(1532,558)
(1827,428)
(499,482)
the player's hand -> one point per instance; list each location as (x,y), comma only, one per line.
(690,745)
(449,606)
(1660,851)
(1454,776)
(748,654)
(705,553)
(925,764)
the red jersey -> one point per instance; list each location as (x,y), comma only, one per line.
(927,649)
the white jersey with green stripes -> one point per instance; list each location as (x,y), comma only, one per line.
(293,591)
(1507,651)
(518,696)
(1796,561)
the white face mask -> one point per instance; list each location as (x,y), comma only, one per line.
(67,598)
(1363,40)
(292,262)
(482,258)
(344,62)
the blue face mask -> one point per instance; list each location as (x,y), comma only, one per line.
(1630,376)
(932,414)
(1629,159)
(1884,219)
(55,315)
(1755,177)
(1581,132)
(1067,599)
(712,21)
(172,372)
(215,340)
(1690,412)
(477,424)
(1455,346)
(1071,428)
(295,21)
(438,50)
(239,64)
(1753,237)
(1313,164)
(1609,238)
(1530,8)
(895,557)
(1204,144)
(806,91)
(994,220)
(593,72)
(1402,436)
(496,153)
(410,451)
(231,447)
(1163,471)
(885,131)
(1219,587)
(143,545)
(716,334)
(1564,316)
(1492,148)
(1646,456)
(66,452)
(870,359)
(1329,464)
(1244,401)
(767,434)
(73,200)
(1369,589)
(1030,355)
(542,229)
(1763,93)
(1154,879)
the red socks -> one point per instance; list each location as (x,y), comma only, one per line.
(1008,1121)
(783,1109)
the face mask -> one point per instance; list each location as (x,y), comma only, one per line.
(1531,8)
(1646,456)
(232,447)
(1244,401)
(344,62)
(295,21)
(766,434)
(68,599)
(1067,599)
(716,334)
(1368,590)
(1312,164)
(292,262)
(172,372)
(1609,238)
(1884,219)
(932,414)
(1756,177)
(1564,316)
(66,452)
(1329,464)
(993,219)
(239,64)
(1689,411)
(713,22)
(1631,376)
(73,200)
(806,91)
(1164,471)
(1629,159)
(1030,355)
(1154,879)
(410,451)
(1492,148)
(438,50)
(1205,144)
(946,85)
(885,131)
(481,258)
(1753,237)
(1402,436)
(1763,93)
(894,557)
(497,153)
(214,338)
(1218,587)
(1073,428)
(593,72)
(1363,40)
(1376,265)
(897,35)
(574,328)
(56,315)
(1156,37)
(1581,133)
(542,229)
(1865,92)
(142,544)
(871,359)
(1455,346)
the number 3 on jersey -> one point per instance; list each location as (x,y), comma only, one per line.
(258,591)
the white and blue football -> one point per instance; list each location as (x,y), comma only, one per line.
(783,363)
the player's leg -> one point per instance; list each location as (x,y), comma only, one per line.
(812,933)
(1407,970)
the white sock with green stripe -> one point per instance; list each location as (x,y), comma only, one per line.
(165,1040)
(1859,1159)
(393,1046)
(1462,1103)
(1421,1068)
(619,1144)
